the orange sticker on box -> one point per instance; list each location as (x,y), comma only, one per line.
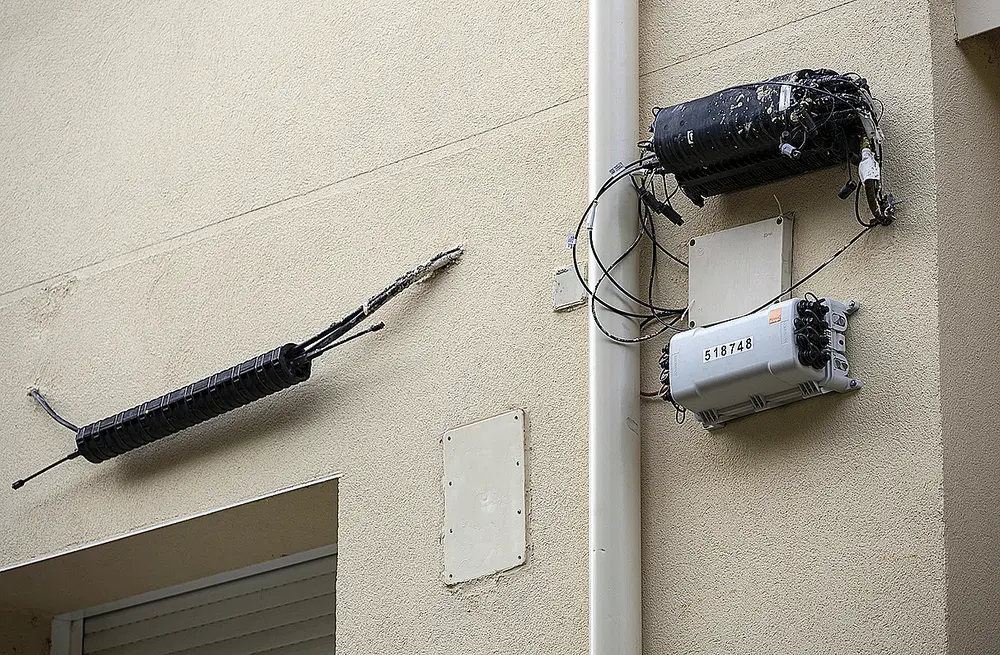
(775,316)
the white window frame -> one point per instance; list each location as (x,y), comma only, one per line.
(67,629)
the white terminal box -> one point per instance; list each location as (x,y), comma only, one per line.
(758,362)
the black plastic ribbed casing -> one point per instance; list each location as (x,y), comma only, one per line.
(198,402)
(731,140)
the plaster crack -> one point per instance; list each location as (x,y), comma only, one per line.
(746,38)
(296,196)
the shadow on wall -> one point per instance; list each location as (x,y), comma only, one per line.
(984,65)
(22,633)
(756,435)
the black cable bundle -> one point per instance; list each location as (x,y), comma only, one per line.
(811,337)
(667,317)
(240,385)
(742,136)
(664,393)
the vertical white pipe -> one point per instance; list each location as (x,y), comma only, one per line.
(615,544)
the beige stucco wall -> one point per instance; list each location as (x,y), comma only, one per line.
(817,527)
(188,186)
(141,136)
(967,134)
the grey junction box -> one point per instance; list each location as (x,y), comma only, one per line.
(770,358)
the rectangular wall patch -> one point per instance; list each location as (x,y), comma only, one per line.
(484,512)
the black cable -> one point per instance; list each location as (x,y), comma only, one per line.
(652,236)
(649,230)
(644,217)
(628,251)
(594,297)
(606,273)
(857,85)
(670,195)
(677,313)
(604,269)
(642,337)
(847,157)
(656,313)
(51,412)
(628,170)
(315,352)
(816,270)
(809,330)
(600,326)
(20,483)
(857,207)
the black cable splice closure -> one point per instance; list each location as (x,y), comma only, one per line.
(748,135)
(256,378)
(196,403)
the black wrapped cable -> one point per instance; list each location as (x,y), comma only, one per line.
(196,403)
(240,385)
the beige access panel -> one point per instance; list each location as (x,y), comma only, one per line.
(484,512)
(735,271)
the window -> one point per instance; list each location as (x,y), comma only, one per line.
(282,607)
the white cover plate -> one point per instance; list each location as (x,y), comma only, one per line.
(484,512)
(567,290)
(735,271)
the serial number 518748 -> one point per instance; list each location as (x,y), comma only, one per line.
(727,349)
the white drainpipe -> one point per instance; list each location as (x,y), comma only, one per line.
(615,539)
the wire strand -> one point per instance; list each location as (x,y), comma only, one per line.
(816,270)
(20,483)
(34,393)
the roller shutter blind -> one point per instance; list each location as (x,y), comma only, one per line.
(283,611)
